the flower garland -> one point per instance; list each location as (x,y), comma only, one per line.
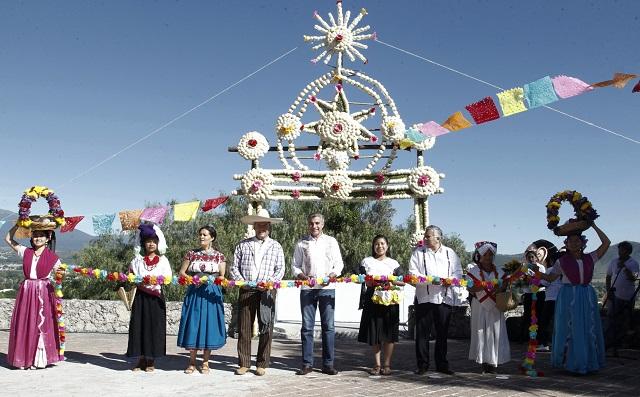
(253,145)
(31,195)
(528,364)
(412,279)
(257,184)
(59,277)
(581,205)
(387,295)
(337,186)
(424,181)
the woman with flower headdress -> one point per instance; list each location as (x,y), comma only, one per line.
(489,340)
(202,325)
(578,342)
(148,324)
(33,337)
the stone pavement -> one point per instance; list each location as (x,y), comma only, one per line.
(95,365)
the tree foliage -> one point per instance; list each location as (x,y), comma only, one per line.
(353,224)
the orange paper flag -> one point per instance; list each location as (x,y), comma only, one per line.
(456,122)
(130,220)
(619,80)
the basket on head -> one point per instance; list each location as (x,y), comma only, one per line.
(42,222)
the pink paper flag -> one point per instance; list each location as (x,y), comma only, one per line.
(154,214)
(566,86)
(432,128)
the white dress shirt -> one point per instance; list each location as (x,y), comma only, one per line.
(317,257)
(443,263)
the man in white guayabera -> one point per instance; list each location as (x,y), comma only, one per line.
(316,256)
(433,301)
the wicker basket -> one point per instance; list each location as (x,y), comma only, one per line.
(42,222)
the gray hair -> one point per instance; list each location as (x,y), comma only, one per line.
(435,228)
(315,215)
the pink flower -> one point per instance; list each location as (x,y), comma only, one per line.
(420,243)
(379,194)
(374,139)
(296,176)
(316,156)
(423,180)
(295,194)
(335,187)
(252,142)
(379,178)
(257,184)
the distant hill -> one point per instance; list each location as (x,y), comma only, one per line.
(66,243)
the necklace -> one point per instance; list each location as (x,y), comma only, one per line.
(150,264)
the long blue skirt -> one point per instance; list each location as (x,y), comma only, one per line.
(578,343)
(202,323)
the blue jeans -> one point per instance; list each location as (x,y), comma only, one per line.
(310,299)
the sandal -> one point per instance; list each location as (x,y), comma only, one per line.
(190,369)
(204,368)
(375,371)
(386,370)
(140,365)
(150,367)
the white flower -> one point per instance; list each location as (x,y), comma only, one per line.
(417,238)
(337,185)
(392,128)
(257,184)
(253,145)
(423,181)
(336,159)
(339,129)
(288,126)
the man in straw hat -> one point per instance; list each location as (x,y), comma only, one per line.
(317,256)
(257,259)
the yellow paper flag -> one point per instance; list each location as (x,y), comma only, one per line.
(456,122)
(185,211)
(512,101)
(130,220)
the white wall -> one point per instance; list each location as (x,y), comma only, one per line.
(346,310)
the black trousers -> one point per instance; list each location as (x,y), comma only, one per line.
(428,314)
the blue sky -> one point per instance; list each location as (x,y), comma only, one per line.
(81,80)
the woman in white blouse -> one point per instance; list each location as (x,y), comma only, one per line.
(379,323)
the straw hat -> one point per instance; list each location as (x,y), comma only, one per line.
(260,217)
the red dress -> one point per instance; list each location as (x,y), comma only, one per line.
(33,337)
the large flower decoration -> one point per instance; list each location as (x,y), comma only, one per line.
(393,128)
(338,128)
(253,145)
(340,36)
(31,195)
(424,181)
(288,126)
(584,211)
(257,184)
(337,185)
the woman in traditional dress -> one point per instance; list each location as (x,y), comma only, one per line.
(578,343)
(202,324)
(148,324)
(33,338)
(489,340)
(379,323)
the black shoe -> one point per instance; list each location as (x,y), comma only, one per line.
(445,371)
(421,370)
(329,371)
(304,370)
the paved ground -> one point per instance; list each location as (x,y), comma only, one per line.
(95,365)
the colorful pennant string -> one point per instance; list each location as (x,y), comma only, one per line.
(70,223)
(432,128)
(456,122)
(213,203)
(567,87)
(130,220)
(512,101)
(185,212)
(483,111)
(540,92)
(102,223)
(154,214)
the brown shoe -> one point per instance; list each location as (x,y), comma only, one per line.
(242,370)
(329,371)
(260,371)
(304,370)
